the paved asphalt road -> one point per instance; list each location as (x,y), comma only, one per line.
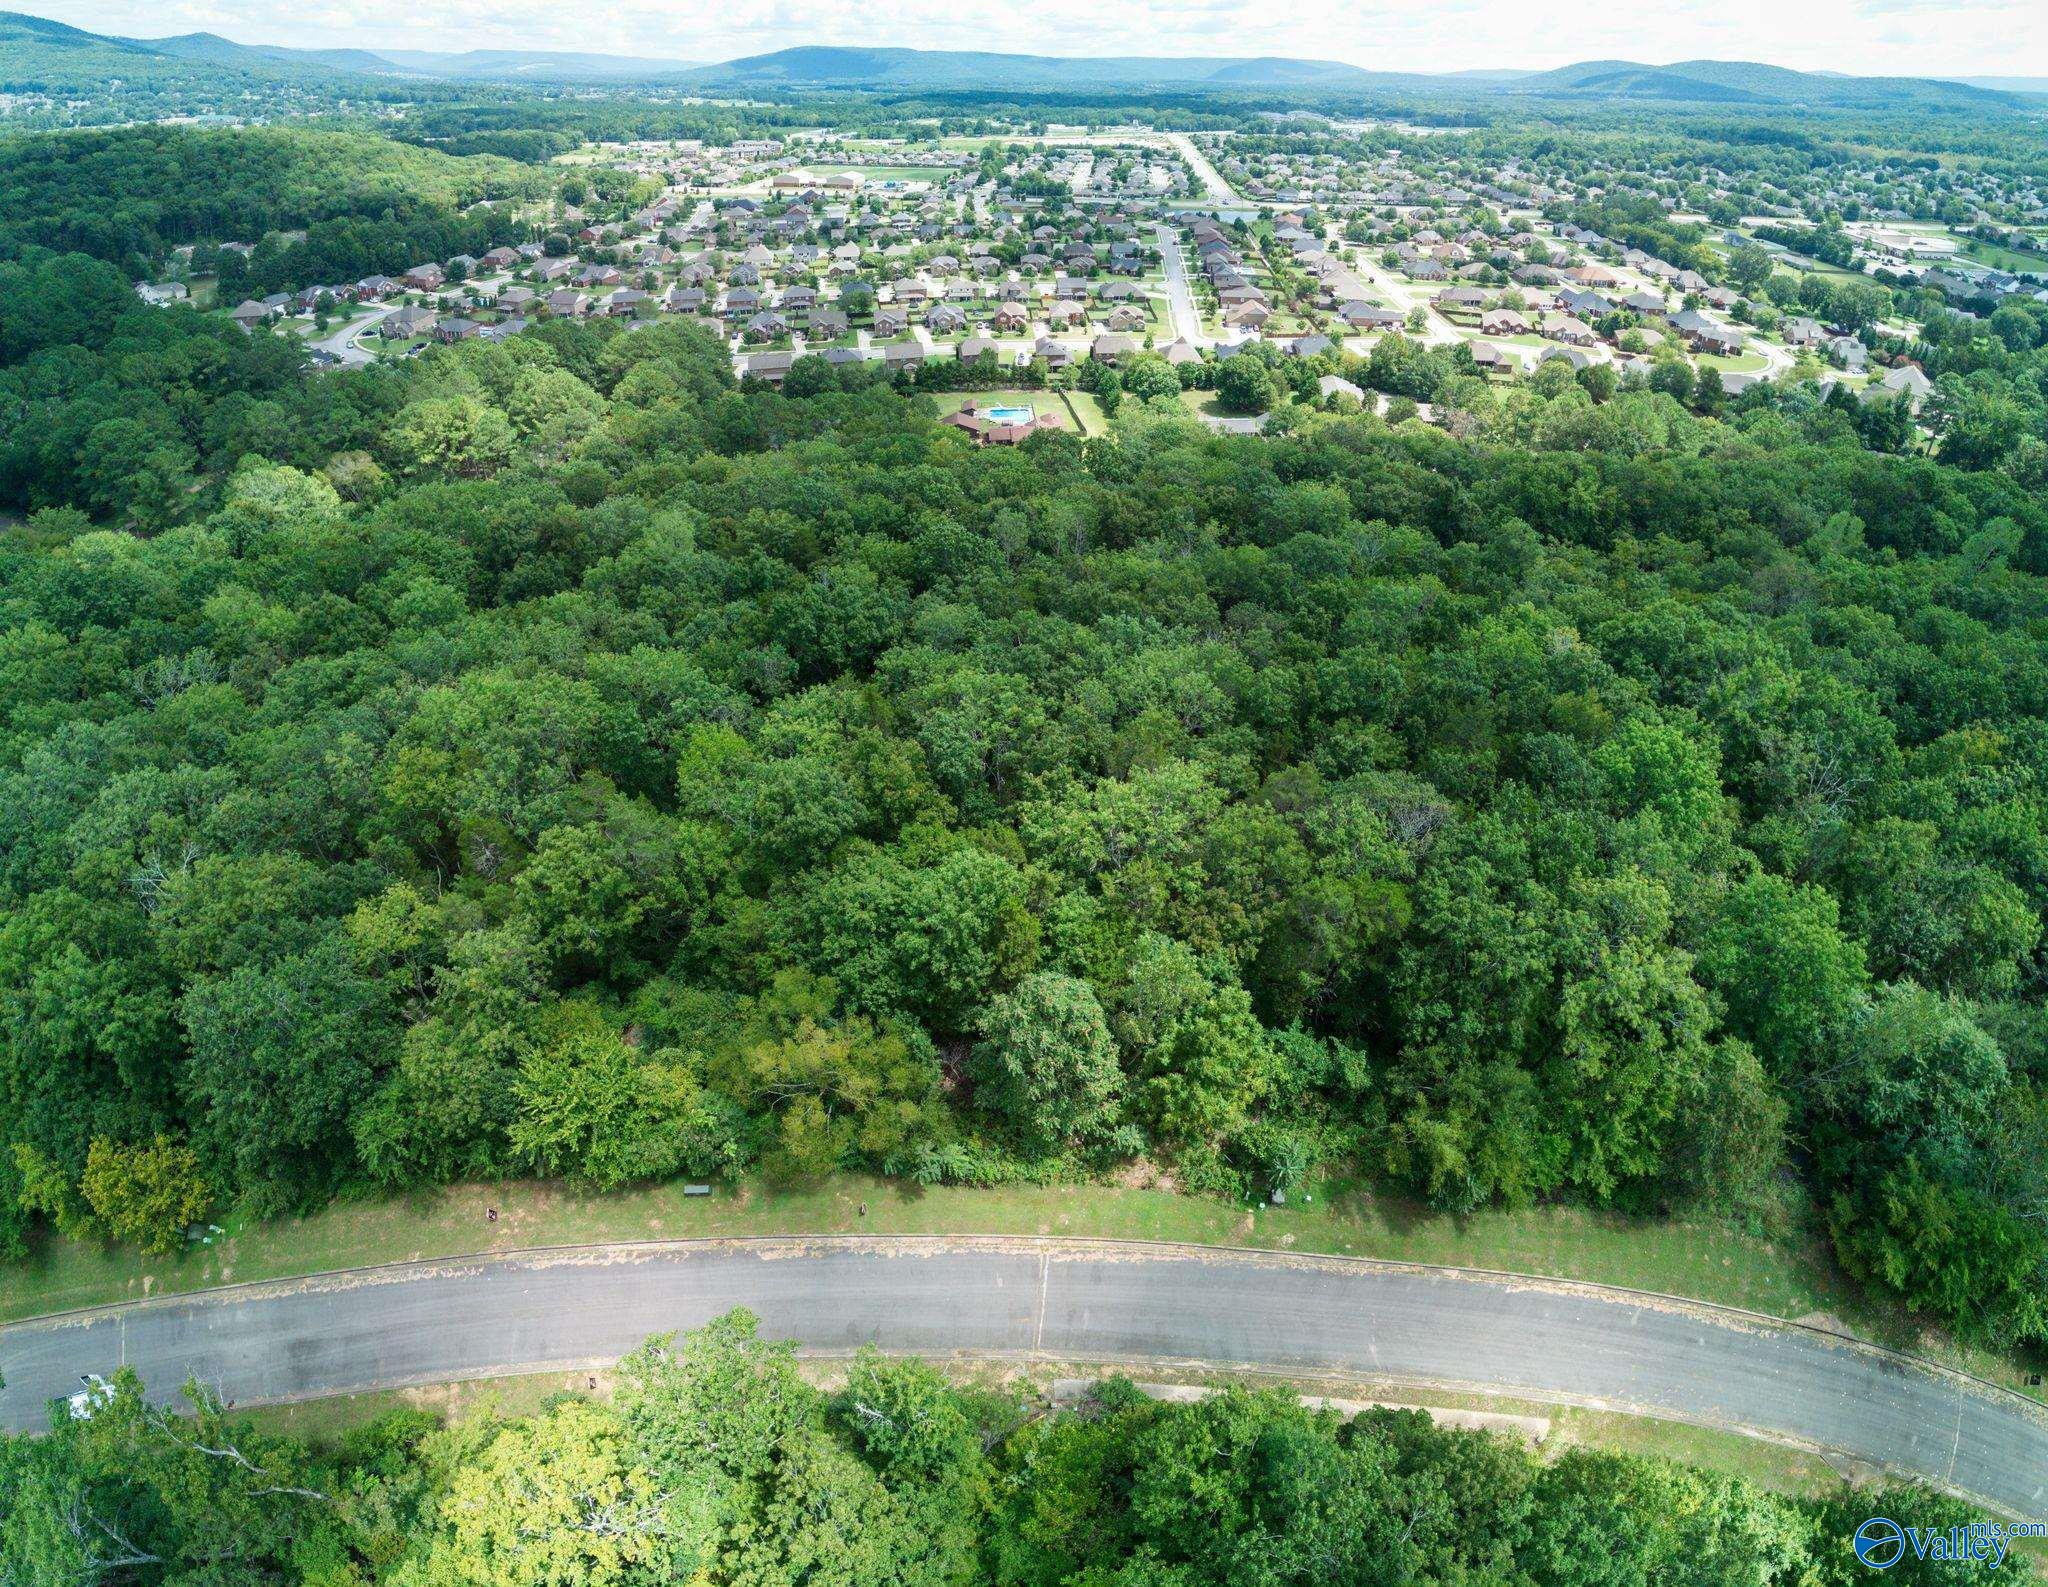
(1059,1301)
(1218,190)
(1180,298)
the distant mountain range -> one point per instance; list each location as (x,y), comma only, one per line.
(35,52)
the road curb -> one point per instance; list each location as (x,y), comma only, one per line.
(1615,1293)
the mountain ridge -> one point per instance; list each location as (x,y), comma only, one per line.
(1735,84)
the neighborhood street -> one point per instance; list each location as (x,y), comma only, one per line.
(1219,191)
(1053,1302)
(1180,297)
(345,342)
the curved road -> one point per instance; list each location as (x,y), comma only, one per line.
(1095,1301)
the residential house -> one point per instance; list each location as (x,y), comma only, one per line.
(988,431)
(770,367)
(405,323)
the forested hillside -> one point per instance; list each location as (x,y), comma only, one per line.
(128,196)
(717,1463)
(544,757)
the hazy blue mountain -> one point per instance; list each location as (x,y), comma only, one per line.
(852,67)
(1695,82)
(40,54)
(2010,85)
(1751,83)
(550,65)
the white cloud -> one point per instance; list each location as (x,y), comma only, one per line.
(1901,37)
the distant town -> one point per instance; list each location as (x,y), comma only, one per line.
(1075,246)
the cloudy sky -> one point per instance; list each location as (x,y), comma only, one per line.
(1873,37)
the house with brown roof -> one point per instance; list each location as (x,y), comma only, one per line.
(407,322)
(987,431)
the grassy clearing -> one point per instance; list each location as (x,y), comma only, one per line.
(871,174)
(2018,261)
(1768,1465)
(1085,411)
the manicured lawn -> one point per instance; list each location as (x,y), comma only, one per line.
(1744,363)
(1086,412)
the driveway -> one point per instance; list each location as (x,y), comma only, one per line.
(1062,1301)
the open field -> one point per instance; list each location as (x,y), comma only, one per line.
(885,173)
(1999,257)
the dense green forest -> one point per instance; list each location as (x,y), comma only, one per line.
(545,757)
(715,1463)
(365,203)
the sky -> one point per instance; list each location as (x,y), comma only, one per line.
(1921,38)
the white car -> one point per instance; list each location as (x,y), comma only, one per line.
(97,1392)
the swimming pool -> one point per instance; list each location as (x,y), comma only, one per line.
(1008,415)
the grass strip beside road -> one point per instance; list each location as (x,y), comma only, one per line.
(1790,1276)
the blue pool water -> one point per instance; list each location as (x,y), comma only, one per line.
(1009,415)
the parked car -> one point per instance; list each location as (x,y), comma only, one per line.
(96,1393)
